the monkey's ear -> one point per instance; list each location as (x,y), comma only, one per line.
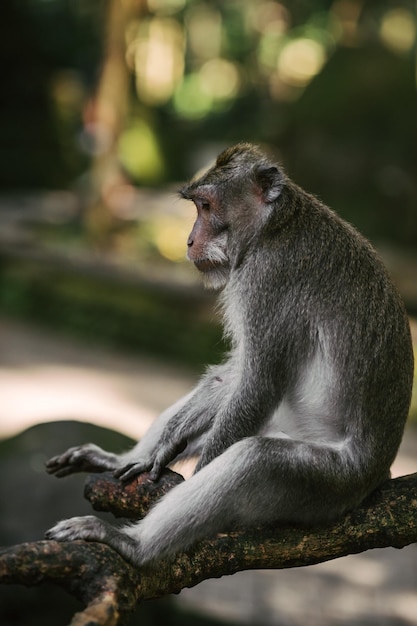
(270,181)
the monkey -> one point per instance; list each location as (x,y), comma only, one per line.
(303,418)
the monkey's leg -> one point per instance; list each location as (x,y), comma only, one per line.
(256,481)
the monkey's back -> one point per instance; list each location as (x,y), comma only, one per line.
(335,308)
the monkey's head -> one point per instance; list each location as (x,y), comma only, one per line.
(234,200)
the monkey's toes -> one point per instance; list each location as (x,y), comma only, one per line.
(89,528)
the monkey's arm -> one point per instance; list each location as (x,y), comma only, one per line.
(245,411)
(140,458)
(174,429)
(240,413)
(92,458)
(228,428)
(180,429)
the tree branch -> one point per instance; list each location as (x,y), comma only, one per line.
(110,587)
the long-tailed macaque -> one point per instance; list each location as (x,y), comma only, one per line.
(304,417)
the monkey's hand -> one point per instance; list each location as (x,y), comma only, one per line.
(86,458)
(167,452)
(130,470)
(154,462)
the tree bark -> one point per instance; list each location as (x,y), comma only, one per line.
(110,587)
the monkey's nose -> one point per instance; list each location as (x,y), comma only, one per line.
(190,242)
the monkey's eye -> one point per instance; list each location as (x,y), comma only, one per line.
(204,205)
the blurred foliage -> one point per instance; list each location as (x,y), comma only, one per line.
(103,99)
(106,98)
(328,85)
(45,48)
(170,323)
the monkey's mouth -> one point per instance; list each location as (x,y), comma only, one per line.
(204,265)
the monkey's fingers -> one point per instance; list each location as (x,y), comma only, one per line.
(167,453)
(87,458)
(160,463)
(64,471)
(57,463)
(156,471)
(131,470)
(51,465)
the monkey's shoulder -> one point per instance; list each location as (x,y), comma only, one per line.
(318,236)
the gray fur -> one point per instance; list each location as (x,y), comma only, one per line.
(304,418)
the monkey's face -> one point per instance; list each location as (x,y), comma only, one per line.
(234,199)
(208,240)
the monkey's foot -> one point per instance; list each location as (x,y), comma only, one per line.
(90,528)
(87,527)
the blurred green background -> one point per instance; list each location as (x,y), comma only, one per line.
(106,106)
(163,84)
